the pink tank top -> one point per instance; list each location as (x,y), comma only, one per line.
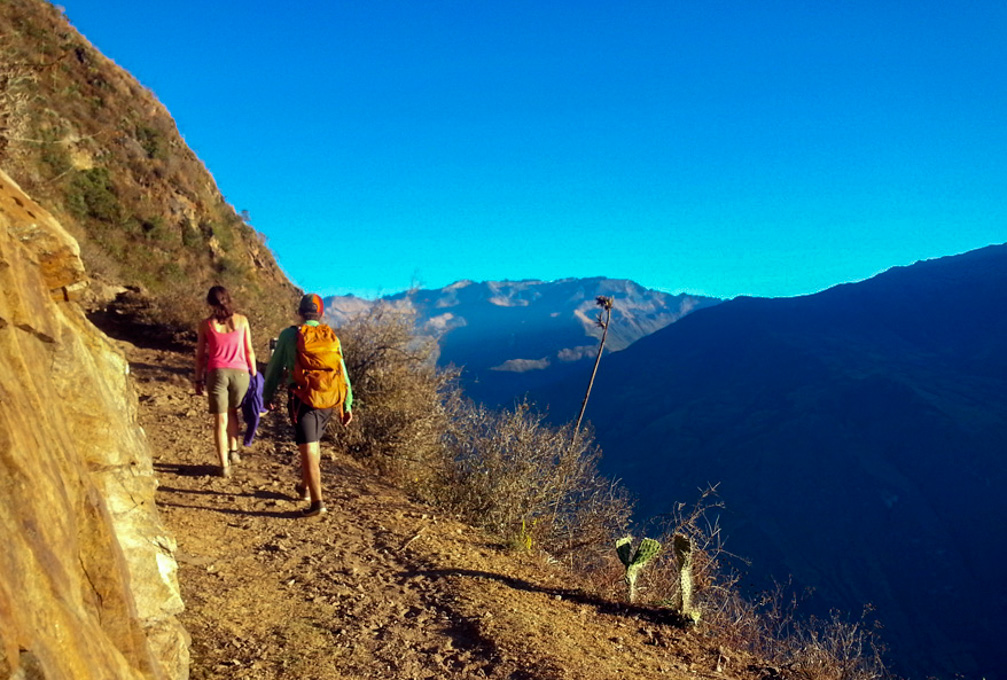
(225,350)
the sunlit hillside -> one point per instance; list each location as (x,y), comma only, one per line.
(83,137)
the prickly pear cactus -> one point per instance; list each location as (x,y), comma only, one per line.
(635,562)
(683,553)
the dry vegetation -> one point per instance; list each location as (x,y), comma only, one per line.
(506,471)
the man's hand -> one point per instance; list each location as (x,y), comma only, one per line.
(197,387)
(347,418)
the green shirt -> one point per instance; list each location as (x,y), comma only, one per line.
(282,362)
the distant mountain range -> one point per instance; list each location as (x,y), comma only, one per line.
(514,336)
(859,437)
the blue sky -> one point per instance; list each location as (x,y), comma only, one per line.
(722,148)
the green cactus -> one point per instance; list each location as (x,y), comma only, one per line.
(635,562)
(683,553)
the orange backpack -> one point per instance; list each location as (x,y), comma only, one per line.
(318,368)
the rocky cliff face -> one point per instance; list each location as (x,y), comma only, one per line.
(88,583)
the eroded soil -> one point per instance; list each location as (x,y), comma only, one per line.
(380,587)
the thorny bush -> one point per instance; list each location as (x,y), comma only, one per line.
(813,648)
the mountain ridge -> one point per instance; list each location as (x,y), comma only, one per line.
(866,409)
(549,327)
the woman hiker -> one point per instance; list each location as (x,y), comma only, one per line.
(225,362)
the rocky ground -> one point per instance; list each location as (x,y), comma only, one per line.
(380,587)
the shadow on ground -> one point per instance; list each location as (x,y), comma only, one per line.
(643,613)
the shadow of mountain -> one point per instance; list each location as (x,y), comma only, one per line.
(137,330)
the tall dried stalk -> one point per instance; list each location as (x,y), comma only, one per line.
(606,304)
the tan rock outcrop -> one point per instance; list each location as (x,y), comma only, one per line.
(88,584)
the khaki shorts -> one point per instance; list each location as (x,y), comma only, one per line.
(226,388)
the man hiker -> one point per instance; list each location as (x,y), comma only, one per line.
(311,358)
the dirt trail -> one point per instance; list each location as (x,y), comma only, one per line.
(380,587)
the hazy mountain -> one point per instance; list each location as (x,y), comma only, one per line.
(512,336)
(859,437)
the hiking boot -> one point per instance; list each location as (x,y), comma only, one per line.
(224,471)
(302,492)
(316,508)
(235,458)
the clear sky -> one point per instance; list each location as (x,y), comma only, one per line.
(724,148)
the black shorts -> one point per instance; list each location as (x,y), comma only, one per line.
(309,423)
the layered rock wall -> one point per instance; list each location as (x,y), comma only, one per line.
(88,584)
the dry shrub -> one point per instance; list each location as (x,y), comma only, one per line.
(15,89)
(399,396)
(506,471)
(833,648)
(713,577)
(519,477)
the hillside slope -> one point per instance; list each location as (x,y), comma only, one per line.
(94,146)
(379,587)
(858,436)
